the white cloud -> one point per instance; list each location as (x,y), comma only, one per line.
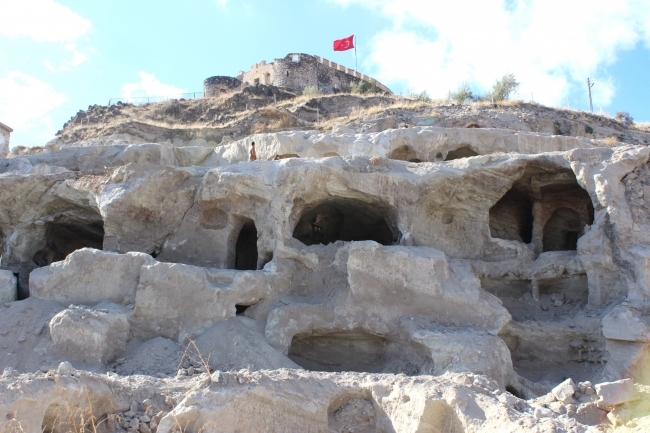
(222,3)
(41,20)
(26,103)
(77,58)
(551,46)
(150,86)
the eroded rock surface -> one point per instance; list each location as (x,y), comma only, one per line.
(368,279)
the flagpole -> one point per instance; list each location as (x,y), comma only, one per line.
(355,53)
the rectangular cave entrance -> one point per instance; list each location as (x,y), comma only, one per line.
(246,247)
(337,352)
(66,235)
(347,220)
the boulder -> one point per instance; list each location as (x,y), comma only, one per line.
(89,276)
(90,335)
(626,324)
(564,391)
(615,393)
(393,281)
(8,286)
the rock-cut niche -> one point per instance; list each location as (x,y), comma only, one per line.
(461,152)
(548,208)
(347,220)
(67,234)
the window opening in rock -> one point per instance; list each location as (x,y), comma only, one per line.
(461,152)
(340,352)
(246,248)
(66,236)
(295,58)
(511,217)
(562,230)
(256,81)
(347,220)
(267,78)
(241,309)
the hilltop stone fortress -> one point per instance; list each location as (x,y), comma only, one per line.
(295,71)
(420,279)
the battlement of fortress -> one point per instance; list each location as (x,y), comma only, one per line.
(295,71)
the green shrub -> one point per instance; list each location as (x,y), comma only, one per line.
(311,90)
(589,129)
(463,94)
(363,87)
(420,96)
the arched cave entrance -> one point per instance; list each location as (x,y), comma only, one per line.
(347,220)
(511,217)
(546,207)
(461,152)
(404,153)
(246,247)
(65,235)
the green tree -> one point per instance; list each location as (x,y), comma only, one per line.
(503,88)
(463,93)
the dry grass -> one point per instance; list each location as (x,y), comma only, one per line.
(193,353)
(611,141)
(271,119)
(645,126)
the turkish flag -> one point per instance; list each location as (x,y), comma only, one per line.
(344,44)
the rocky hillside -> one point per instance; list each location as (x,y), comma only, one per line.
(382,266)
(208,122)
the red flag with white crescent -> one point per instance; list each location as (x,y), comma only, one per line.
(344,44)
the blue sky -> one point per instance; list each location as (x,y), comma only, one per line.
(57,57)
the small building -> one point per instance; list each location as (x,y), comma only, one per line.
(295,71)
(5,131)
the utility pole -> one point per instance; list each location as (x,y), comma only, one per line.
(589,86)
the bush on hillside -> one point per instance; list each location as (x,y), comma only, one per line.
(311,90)
(420,96)
(363,87)
(463,94)
(625,118)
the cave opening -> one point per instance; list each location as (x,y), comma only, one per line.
(511,218)
(562,230)
(461,152)
(347,220)
(337,352)
(404,153)
(66,235)
(567,210)
(246,247)
(545,207)
(241,309)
